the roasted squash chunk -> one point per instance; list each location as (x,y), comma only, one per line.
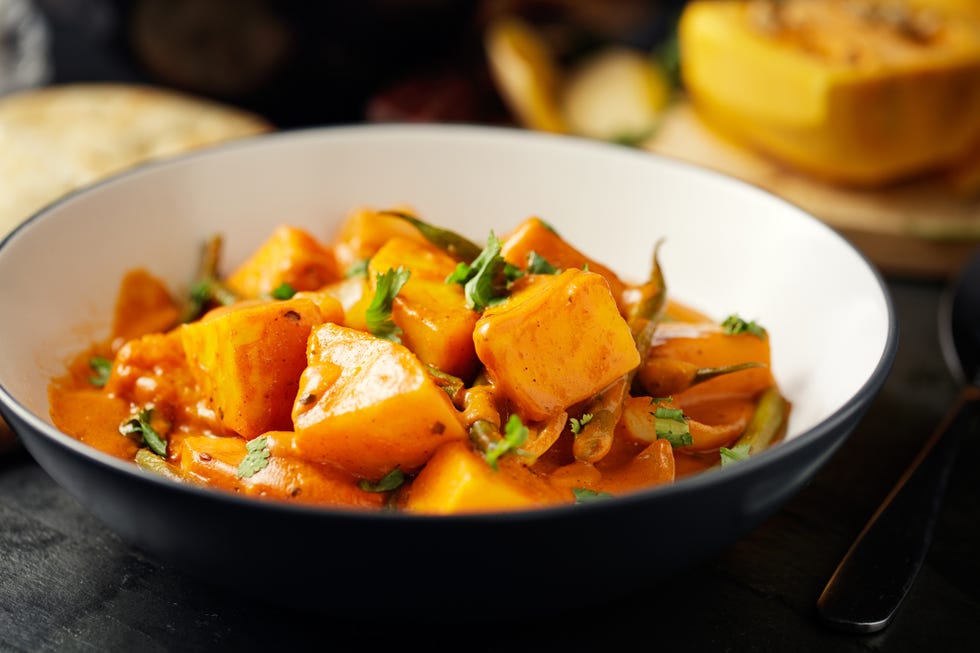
(291,256)
(543,361)
(247,360)
(861,92)
(365,230)
(368,405)
(533,235)
(432,314)
(459,480)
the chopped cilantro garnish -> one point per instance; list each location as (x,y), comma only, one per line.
(537,264)
(479,278)
(671,425)
(378,314)
(585,495)
(283,291)
(515,434)
(102,367)
(578,423)
(734,325)
(256,459)
(141,426)
(390,481)
(733,455)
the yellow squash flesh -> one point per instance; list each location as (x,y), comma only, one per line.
(858,92)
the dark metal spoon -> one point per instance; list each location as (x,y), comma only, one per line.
(864,593)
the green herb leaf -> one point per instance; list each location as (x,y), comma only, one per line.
(584,495)
(734,325)
(141,426)
(479,278)
(379,320)
(578,423)
(283,291)
(671,425)
(390,481)
(537,264)
(256,459)
(515,434)
(102,367)
(733,455)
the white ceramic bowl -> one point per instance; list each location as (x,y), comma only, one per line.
(728,248)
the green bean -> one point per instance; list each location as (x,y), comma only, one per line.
(207,287)
(767,422)
(150,462)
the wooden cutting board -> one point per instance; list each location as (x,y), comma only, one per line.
(918,230)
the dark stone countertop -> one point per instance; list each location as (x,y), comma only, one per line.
(68,584)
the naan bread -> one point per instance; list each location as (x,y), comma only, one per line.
(57,139)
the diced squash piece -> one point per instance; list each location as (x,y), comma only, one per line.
(143,305)
(533,235)
(215,461)
(853,91)
(459,480)
(365,230)
(557,341)
(290,255)
(368,405)
(247,360)
(354,294)
(331,310)
(707,345)
(432,314)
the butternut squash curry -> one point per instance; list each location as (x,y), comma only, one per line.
(400,366)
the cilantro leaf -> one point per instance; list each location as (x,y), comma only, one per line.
(479,278)
(733,455)
(585,495)
(537,264)
(141,426)
(734,325)
(671,425)
(390,481)
(102,367)
(578,423)
(515,434)
(378,315)
(256,459)
(283,291)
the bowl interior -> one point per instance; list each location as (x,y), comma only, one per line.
(728,248)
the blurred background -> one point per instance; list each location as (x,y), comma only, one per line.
(301,63)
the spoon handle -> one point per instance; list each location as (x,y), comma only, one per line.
(876,573)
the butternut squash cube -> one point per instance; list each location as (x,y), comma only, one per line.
(368,405)
(533,235)
(557,341)
(459,480)
(433,315)
(365,230)
(290,255)
(247,360)
(859,92)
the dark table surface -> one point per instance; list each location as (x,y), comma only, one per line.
(69,584)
